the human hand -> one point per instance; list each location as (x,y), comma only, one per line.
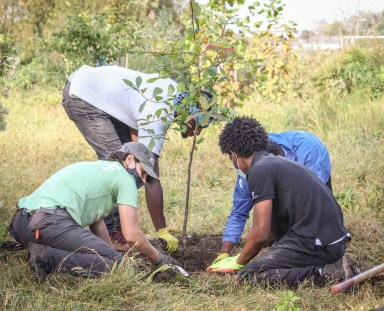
(226,265)
(168,273)
(166,260)
(168,241)
(220,257)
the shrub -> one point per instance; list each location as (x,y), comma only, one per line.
(353,70)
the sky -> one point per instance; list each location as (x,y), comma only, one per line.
(307,13)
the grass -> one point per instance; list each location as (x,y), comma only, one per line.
(40,139)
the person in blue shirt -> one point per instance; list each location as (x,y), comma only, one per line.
(299,146)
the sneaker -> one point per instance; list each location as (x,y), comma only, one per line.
(341,270)
(38,260)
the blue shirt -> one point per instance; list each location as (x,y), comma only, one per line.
(299,146)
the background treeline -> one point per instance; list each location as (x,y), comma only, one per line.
(55,36)
(51,38)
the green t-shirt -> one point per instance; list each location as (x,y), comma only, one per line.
(89,191)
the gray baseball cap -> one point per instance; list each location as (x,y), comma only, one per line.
(141,153)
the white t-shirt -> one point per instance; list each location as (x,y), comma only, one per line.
(104,88)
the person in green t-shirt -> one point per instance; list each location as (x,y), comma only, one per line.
(50,222)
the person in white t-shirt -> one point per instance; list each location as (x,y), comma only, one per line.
(109,113)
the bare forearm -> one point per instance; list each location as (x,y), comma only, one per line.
(154,198)
(254,243)
(99,229)
(136,238)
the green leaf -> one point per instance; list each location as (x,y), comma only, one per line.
(212,71)
(151,80)
(201,139)
(129,83)
(171,90)
(196,8)
(205,119)
(158,98)
(151,144)
(138,81)
(157,91)
(158,112)
(179,129)
(181,87)
(203,102)
(141,108)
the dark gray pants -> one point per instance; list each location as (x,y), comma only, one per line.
(70,248)
(102,132)
(291,262)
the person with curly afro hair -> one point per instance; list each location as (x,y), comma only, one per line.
(293,207)
(299,146)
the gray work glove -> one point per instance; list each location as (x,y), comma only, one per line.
(165,260)
(167,269)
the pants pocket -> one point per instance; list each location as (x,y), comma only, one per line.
(40,220)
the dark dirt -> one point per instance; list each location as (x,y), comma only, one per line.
(199,254)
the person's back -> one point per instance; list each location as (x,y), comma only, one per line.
(302,204)
(104,88)
(306,148)
(89,191)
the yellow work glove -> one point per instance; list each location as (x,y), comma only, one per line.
(168,241)
(226,265)
(220,257)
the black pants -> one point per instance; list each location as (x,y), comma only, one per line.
(290,261)
(70,248)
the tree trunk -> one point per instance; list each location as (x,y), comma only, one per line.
(186,210)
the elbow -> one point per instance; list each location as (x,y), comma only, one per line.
(261,238)
(131,237)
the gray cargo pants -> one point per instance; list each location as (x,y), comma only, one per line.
(70,248)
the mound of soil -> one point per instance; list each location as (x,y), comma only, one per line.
(199,253)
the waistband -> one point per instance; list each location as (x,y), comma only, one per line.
(55,211)
(52,211)
(346,239)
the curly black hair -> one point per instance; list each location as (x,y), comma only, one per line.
(244,136)
(274,148)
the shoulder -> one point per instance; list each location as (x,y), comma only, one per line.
(263,164)
(125,181)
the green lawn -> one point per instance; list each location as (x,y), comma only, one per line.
(40,140)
